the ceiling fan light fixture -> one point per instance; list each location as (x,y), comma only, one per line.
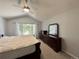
(26,9)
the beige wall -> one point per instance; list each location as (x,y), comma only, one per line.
(69,30)
(11,24)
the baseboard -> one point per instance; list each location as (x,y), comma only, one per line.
(70,54)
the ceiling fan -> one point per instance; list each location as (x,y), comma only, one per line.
(23,4)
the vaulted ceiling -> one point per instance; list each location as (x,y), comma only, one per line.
(41,9)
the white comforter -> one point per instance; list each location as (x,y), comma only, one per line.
(8,44)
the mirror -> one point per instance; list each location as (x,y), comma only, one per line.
(53,29)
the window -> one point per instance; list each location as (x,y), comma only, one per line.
(26,29)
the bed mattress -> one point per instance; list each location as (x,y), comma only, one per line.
(13,47)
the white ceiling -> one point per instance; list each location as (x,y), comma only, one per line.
(8,8)
(41,9)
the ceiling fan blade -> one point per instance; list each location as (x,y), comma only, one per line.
(18,1)
(26,1)
(35,2)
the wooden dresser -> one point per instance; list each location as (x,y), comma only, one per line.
(51,41)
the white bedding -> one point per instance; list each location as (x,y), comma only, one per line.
(13,47)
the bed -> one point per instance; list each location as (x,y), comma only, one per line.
(19,47)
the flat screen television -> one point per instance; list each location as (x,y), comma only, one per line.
(53,30)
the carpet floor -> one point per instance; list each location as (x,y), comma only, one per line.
(48,53)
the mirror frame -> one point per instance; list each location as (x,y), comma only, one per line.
(57,35)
